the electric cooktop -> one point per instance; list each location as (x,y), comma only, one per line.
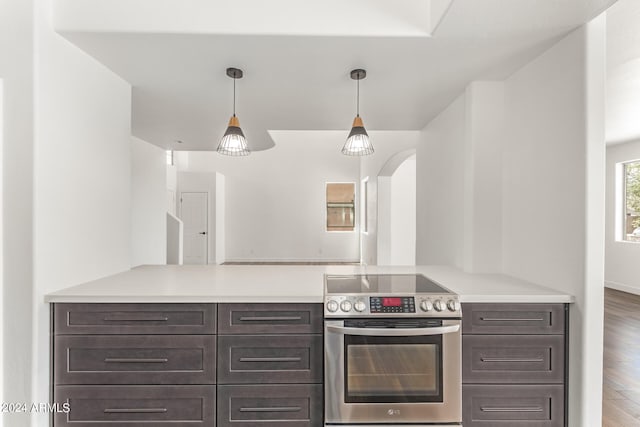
(383,283)
(376,295)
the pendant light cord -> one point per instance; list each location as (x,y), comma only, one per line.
(358,98)
(234,97)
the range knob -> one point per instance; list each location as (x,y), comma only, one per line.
(439,305)
(346,306)
(426,305)
(360,306)
(332,306)
(453,305)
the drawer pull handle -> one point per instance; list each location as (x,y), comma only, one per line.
(269,318)
(515,409)
(270,359)
(508,360)
(129,319)
(134,360)
(135,410)
(506,319)
(273,409)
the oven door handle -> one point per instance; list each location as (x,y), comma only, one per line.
(394,332)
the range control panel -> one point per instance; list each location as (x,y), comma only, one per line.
(432,305)
(392,305)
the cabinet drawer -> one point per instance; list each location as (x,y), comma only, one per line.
(270,406)
(134,359)
(514,319)
(513,359)
(133,406)
(86,319)
(269,318)
(513,405)
(246,359)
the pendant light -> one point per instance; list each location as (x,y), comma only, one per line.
(358,143)
(233,142)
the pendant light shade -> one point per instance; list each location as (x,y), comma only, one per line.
(358,143)
(233,142)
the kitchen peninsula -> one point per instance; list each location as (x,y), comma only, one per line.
(284,284)
(243,345)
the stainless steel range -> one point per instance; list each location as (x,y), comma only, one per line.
(392,351)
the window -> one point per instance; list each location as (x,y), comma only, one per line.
(341,206)
(632,201)
(170,158)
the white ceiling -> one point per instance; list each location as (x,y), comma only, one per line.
(256,17)
(301,81)
(623,72)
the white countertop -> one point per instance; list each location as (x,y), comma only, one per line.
(284,283)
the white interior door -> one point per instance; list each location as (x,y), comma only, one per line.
(194,211)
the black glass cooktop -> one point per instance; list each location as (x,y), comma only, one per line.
(383,284)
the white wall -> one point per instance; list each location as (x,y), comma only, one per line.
(148,203)
(275,199)
(82,178)
(383,220)
(172,189)
(220,236)
(386,145)
(1,246)
(396,221)
(202,182)
(403,213)
(511,180)
(483,177)
(175,233)
(553,195)
(440,188)
(621,258)
(83,164)
(459,221)
(16,72)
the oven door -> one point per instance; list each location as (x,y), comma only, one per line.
(393,371)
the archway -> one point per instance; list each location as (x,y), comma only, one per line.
(397,210)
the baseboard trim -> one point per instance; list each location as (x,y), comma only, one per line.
(622,287)
(290,261)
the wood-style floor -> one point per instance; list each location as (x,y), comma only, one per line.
(621,391)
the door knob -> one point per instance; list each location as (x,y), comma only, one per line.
(202,232)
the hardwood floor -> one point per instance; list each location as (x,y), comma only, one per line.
(621,385)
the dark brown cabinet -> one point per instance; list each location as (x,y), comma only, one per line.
(275,405)
(133,406)
(125,365)
(251,359)
(135,359)
(242,365)
(261,365)
(514,405)
(513,319)
(269,319)
(514,365)
(135,319)
(532,359)
(270,365)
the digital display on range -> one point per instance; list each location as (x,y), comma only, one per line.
(392,305)
(391,302)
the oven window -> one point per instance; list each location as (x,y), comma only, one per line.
(393,369)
